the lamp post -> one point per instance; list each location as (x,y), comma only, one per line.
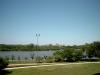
(37,37)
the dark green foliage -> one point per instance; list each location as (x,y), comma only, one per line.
(32,47)
(69,55)
(94,49)
(77,55)
(49,59)
(28,47)
(3,63)
(97,48)
(58,55)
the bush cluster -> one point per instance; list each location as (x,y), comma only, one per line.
(3,63)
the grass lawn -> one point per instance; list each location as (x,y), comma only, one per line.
(74,69)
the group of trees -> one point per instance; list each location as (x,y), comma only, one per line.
(93,49)
(29,47)
(68,55)
(87,51)
(33,47)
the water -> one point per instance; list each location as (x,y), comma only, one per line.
(25,54)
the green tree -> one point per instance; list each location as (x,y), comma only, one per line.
(96,47)
(68,55)
(49,59)
(77,55)
(3,63)
(58,56)
(90,52)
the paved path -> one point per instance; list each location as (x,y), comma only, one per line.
(52,64)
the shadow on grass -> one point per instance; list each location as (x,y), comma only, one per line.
(96,74)
(4,72)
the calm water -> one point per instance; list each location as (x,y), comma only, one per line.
(25,54)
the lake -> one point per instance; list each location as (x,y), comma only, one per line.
(25,54)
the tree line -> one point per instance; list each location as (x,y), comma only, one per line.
(33,47)
(28,47)
(92,48)
(87,52)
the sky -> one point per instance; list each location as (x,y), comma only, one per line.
(66,22)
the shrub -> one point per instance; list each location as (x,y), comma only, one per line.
(49,59)
(58,56)
(77,55)
(3,63)
(68,55)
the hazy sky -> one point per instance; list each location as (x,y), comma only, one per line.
(58,21)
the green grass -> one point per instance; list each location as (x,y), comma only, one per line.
(74,69)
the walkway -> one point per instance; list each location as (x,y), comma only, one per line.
(50,64)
